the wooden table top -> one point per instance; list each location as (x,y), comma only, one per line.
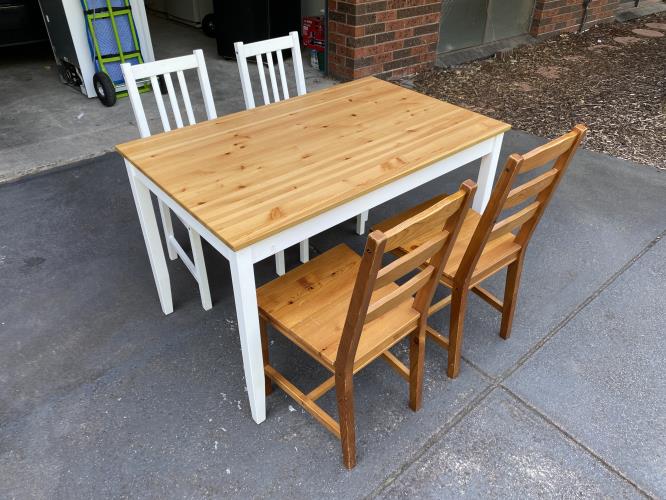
(249,175)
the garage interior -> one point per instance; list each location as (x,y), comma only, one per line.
(46,123)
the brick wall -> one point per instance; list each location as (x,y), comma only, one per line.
(389,38)
(394,38)
(555,16)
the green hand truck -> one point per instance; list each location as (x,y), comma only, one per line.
(113,41)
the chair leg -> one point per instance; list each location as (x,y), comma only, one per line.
(200,269)
(510,296)
(167,226)
(456,323)
(417,342)
(279,263)
(304,250)
(263,330)
(344,390)
(361,219)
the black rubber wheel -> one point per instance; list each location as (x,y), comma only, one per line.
(208,25)
(104,88)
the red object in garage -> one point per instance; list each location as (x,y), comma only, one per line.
(313,33)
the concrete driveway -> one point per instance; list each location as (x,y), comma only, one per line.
(103,396)
(45,123)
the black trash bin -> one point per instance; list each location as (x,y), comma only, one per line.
(253,20)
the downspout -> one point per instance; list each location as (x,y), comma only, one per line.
(586,5)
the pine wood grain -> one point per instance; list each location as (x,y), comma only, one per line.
(337,310)
(313,301)
(489,242)
(249,175)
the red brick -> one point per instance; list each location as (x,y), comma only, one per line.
(556,16)
(393,38)
(390,38)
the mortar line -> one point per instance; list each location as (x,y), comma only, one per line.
(497,382)
(573,439)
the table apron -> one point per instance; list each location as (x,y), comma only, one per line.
(186,216)
(334,216)
(291,236)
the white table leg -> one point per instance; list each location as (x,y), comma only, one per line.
(304,250)
(487,175)
(151,236)
(245,296)
(361,219)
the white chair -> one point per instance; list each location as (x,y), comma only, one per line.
(152,71)
(258,50)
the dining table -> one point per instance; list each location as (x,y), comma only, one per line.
(256,182)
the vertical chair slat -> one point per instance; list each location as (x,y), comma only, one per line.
(298,63)
(186,97)
(271,72)
(173,99)
(244,73)
(262,79)
(204,83)
(283,76)
(257,50)
(135,100)
(160,103)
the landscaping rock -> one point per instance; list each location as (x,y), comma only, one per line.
(648,33)
(626,40)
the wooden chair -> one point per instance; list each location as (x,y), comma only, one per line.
(345,310)
(265,49)
(163,70)
(486,245)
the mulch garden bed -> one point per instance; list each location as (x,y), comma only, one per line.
(611,78)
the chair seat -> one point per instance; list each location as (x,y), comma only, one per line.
(309,305)
(496,254)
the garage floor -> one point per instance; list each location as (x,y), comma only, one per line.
(46,123)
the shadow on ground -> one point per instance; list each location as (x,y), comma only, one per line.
(103,396)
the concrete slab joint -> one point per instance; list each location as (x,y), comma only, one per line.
(128,402)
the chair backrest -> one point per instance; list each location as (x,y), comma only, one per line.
(527,199)
(267,47)
(163,69)
(374,291)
